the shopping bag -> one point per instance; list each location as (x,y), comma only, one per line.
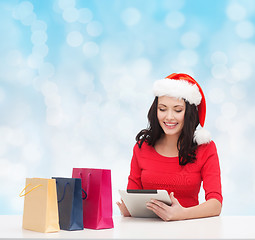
(97,207)
(40,211)
(70,212)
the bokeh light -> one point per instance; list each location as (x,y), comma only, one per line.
(190,40)
(131,16)
(175,19)
(245,29)
(85,15)
(236,12)
(74,39)
(94,28)
(90,49)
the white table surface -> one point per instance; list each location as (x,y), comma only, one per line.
(223,227)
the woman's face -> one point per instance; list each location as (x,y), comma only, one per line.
(171,113)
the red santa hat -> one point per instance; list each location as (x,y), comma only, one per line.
(180,85)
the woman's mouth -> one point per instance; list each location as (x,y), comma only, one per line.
(170,125)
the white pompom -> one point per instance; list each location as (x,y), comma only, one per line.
(202,136)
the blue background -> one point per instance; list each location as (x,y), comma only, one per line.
(76,84)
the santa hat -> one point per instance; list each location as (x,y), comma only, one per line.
(183,86)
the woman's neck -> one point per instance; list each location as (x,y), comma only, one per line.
(167,146)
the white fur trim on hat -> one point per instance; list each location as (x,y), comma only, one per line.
(202,136)
(177,89)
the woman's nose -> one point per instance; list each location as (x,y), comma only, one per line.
(170,115)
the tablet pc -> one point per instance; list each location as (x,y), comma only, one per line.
(135,201)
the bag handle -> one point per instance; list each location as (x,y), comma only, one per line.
(86,195)
(85,192)
(88,187)
(64,193)
(24,194)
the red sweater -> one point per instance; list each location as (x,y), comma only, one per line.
(150,170)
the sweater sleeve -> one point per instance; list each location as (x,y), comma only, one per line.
(211,175)
(134,179)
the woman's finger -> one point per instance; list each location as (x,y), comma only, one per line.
(159,204)
(123,209)
(157,210)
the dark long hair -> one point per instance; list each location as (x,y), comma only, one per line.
(185,144)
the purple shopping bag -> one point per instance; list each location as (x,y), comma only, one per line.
(97,207)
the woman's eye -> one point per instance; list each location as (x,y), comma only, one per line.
(178,111)
(162,109)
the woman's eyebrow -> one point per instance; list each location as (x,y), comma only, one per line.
(178,106)
(162,104)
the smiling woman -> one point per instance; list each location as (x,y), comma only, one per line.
(171,154)
(71,69)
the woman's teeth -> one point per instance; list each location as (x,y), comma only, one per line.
(170,124)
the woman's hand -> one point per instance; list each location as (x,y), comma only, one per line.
(165,212)
(123,209)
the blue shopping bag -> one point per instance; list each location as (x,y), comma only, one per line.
(70,206)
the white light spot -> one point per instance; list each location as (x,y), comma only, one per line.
(216,95)
(176,5)
(35,61)
(90,49)
(131,16)
(23,10)
(85,83)
(40,50)
(39,37)
(38,25)
(190,40)
(52,100)
(238,92)
(25,75)
(85,15)
(74,39)
(245,29)
(49,88)
(219,57)
(27,21)
(38,82)
(219,71)
(46,70)
(240,71)
(63,4)
(94,28)
(229,110)
(246,51)
(236,12)
(175,19)
(70,15)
